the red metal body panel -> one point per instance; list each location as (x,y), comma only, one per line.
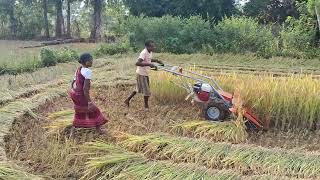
(247,114)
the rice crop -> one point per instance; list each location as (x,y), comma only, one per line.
(167,170)
(215,131)
(60,120)
(164,88)
(248,159)
(113,162)
(281,102)
(285,103)
(11,173)
(110,160)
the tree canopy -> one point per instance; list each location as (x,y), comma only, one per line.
(208,9)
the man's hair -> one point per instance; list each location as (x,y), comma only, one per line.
(148,43)
(84,58)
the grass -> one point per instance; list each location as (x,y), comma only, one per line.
(41,76)
(16,60)
(245,158)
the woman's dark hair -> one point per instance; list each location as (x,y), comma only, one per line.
(84,58)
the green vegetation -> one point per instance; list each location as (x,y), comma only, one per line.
(47,57)
(111,49)
(234,34)
(240,35)
(50,57)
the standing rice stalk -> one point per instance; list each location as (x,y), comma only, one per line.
(281,102)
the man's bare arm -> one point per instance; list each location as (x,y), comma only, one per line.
(156,61)
(142,64)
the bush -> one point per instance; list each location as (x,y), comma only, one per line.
(48,57)
(171,34)
(111,49)
(298,38)
(66,55)
(234,34)
(240,35)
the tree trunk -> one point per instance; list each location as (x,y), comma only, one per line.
(59,19)
(45,16)
(96,18)
(68,19)
(318,18)
(78,31)
(13,21)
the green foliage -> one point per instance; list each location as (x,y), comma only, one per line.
(271,10)
(30,21)
(48,57)
(240,35)
(66,55)
(208,9)
(171,34)
(111,49)
(298,38)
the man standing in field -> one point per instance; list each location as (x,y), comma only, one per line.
(144,64)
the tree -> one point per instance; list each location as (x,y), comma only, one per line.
(255,8)
(45,18)
(314,9)
(68,18)
(271,10)
(95,34)
(59,19)
(318,15)
(208,9)
(8,8)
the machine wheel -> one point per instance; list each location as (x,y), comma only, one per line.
(215,111)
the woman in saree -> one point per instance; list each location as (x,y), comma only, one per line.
(87,114)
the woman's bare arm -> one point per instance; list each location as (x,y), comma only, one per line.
(86,89)
(72,84)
